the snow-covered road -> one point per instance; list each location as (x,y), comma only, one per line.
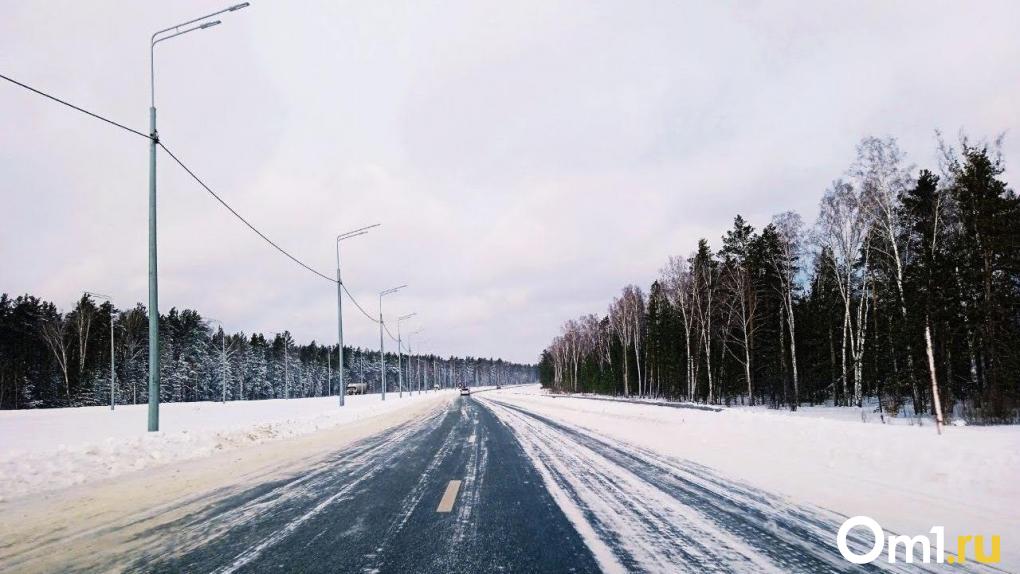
(906,477)
(380,504)
(509,480)
(640,511)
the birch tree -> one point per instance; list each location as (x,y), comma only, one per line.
(619,323)
(54,332)
(789,229)
(634,313)
(882,179)
(573,343)
(843,228)
(923,207)
(679,284)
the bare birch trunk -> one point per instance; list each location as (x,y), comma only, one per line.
(708,365)
(934,380)
(747,371)
(637,365)
(793,350)
(846,332)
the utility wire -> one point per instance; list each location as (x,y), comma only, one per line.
(179,162)
(242,219)
(387,329)
(267,240)
(74,107)
(360,308)
(200,182)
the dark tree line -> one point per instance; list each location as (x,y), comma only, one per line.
(905,292)
(54,359)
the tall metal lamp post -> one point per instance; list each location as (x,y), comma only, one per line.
(339,305)
(382,346)
(410,357)
(400,365)
(164,34)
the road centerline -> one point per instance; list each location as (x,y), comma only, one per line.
(449,497)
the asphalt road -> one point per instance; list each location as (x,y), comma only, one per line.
(374,508)
(486,485)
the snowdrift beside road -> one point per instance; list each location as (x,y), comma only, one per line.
(47,449)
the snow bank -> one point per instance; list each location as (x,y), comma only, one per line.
(868,413)
(906,477)
(53,448)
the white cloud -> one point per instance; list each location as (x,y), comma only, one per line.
(526,159)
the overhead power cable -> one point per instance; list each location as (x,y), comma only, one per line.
(356,304)
(74,107)
(179,162)
(242,219)
(201,183)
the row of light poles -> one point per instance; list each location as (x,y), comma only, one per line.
(203,23)
(382,344)
(382,324)
(400,366)
(410,356)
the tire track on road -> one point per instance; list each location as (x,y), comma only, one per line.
(657,514)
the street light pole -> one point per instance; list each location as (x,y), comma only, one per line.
(382,346)
(410,356)
(400,366)
(339,305)
(164,34)
(113,371)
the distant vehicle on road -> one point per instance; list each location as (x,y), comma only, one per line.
(464,391)
(498,387)
(357,389)
(435,387)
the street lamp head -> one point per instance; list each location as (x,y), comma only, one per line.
(405,317)
(238,6)
(393,290)
(340,238)
(209,24)
(356,232)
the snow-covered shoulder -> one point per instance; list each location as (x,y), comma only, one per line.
(53,448)
(905,476)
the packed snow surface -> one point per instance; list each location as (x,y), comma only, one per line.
(906,477)
(53,448)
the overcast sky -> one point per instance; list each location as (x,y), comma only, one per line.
(526,159)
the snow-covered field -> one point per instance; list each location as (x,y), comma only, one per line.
(906,477)
(53,448)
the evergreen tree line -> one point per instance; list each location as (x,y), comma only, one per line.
(54,359)
(904,294)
